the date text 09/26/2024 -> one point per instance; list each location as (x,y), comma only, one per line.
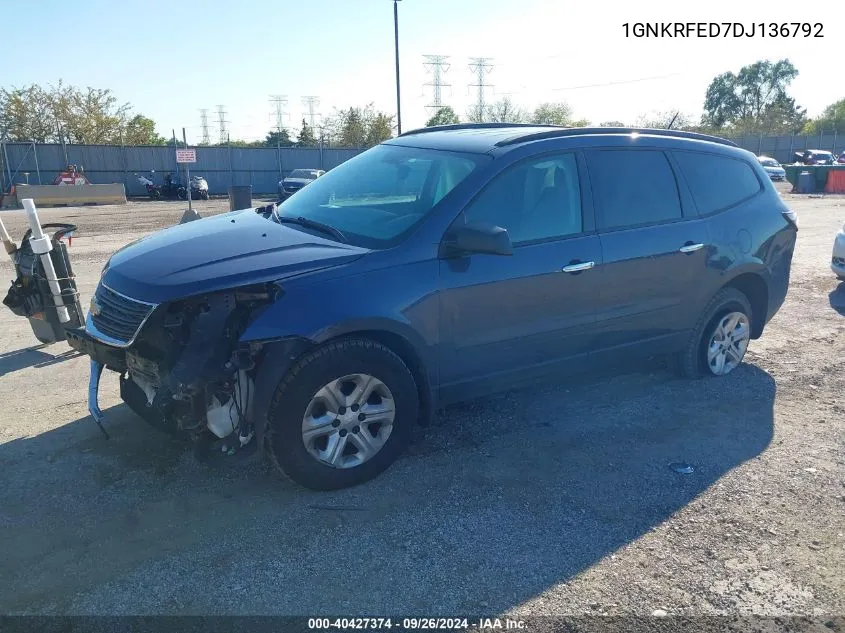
(415,624)
(723,29)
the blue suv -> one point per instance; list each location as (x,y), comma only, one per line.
(444,264)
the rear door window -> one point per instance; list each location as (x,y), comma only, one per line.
(633,188)
(717,182)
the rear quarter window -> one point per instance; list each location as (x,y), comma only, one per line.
(717,182)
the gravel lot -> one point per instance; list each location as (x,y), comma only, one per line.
(551,500)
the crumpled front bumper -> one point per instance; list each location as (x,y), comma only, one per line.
(102,356)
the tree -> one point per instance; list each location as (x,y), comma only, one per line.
(505,111)
(832,119)
(444,116)
(379,128)
(612,124)
(26,115)
(358,127)
(277,138)
(552,114)
(306,136)
(754,100)
(141,130)
(67,113)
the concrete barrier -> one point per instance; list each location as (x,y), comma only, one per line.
(47,195)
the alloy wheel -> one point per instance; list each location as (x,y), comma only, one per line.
(728,343)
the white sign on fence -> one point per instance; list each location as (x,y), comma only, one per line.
(186,155)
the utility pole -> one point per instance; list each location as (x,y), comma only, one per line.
(311,104)
(396,41)
(482,67)
(437,65)
(206,138)
(221,123)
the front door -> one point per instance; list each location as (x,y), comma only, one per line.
(506,319)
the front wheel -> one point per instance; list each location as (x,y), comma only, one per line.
(342,415)
(182,194)
(720,340)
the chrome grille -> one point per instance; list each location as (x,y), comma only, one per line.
(118,316)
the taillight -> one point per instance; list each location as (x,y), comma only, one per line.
(791,217)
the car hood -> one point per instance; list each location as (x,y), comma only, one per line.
(219,252)
(297,181)
(774,169)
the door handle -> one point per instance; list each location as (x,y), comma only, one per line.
(578,267)
(689,247)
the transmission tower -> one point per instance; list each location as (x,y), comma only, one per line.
(482,67)
(279,113)
(206,138)
(222,123)
(437,65)
(311,103)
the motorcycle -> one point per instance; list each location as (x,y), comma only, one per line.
(169,190)
(153,190)
(199,188)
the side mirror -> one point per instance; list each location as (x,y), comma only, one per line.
(478,238)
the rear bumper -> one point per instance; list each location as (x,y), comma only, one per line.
(837,261)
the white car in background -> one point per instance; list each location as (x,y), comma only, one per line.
(837,262)
(772,167)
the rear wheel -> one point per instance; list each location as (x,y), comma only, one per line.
(342,415)
(720,340)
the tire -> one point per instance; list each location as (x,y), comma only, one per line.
(155,194)
(204,195)
(295,398)
(182,194)
(692,361)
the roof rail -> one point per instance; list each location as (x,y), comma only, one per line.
(581,131)
(476,126)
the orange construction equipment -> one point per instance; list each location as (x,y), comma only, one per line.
(835,181)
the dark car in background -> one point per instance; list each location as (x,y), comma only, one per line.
(297,179)
(815,157)
(772,167)
(441,265)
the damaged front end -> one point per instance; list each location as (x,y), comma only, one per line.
(181,365)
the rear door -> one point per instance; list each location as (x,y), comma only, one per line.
(507,318)
(654,249)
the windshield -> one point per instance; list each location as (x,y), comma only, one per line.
(303,173)
(769,162)
(381,195)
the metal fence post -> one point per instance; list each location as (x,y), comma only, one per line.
(231,170)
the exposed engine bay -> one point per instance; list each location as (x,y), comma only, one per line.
(186,373)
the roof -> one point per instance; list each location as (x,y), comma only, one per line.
(485,137)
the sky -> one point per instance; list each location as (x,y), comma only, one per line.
(170,59)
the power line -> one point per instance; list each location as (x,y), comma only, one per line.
(437,65)
(617,83)
(221,124)
(311,103)
(482,67)
(206,138)
(279,113)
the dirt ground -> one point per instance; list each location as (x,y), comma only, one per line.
(551,500)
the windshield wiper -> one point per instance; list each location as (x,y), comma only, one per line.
(312,224)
